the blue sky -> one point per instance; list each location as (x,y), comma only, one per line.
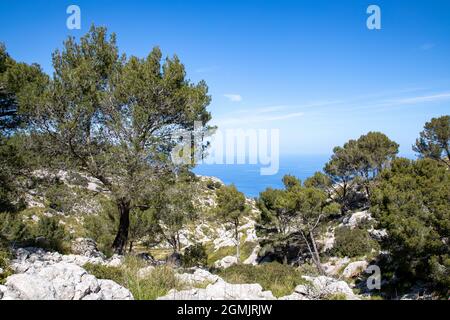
(310,68)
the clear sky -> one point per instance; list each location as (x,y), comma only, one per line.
(310,68)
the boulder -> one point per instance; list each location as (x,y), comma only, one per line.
(334,265)
(322,287)
(253,258)
(198,276)
(174,260)
(226,262)
(86,247)
(145,272)
(221,290)
(354,269)
(62,281)
(356,218)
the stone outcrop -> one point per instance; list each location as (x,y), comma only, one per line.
(221,290)
(226,262)
(319,288)
(61,281)
(354,269)
(42,275)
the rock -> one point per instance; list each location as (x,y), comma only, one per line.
(115,261)
(354,269)
(174,260)
(334,265)
(146,257)
(109,290)
(199,276)
(321,287)
(294,296)
(62,281)
(253,258)
(145,272)
(356,218)
(86,247)
(221,291)
(1,271)
(2,291)
(226,262)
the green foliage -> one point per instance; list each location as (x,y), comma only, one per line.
(60,198)
(100,271)
(115,117)
(12,228)
(231,207)
(411,201)
(357,163)
(296,210)
(434,140)
(103,226)
(50,234)
(195,256)
(154,285)
(352,242)
(5,256)
(278,278)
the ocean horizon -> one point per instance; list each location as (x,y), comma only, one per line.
(248,179)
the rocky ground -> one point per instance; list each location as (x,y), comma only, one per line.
(43,275)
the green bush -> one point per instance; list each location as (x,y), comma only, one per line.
(60,198)
(12,228)
(115,274)
(352,242)
(5,256)
(195,256)
(150,287)
(278,278)
(50,234)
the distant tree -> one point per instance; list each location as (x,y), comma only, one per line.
(115,117)
(434,140)
(377,152)
(411,201)
(311,207)
(295,211)
(231,207)
(358,163)
(343,169)
(320,181)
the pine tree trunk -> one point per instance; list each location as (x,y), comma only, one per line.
(124,224)
(316,253)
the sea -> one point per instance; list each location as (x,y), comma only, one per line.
(248,179)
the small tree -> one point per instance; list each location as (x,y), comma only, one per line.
(311,207)
(116,118)
(411,201)
(174,210)
(231,207)
(434,140)
(358,163)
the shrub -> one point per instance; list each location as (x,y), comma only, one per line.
(52,234)
(154,285)
(278,278)
(60,198)
(352,242)
(5,256)
(12,228)
(194,256)
(105,272)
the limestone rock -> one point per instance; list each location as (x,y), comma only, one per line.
(198,276)
(86,247)
(354,269)
(221,291)
(226,262)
